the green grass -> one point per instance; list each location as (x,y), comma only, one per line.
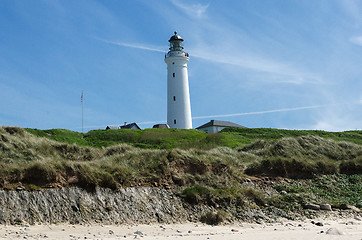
(148,138)
(60,135)
(105,138)
(185,139)
(171,138)
(249,134)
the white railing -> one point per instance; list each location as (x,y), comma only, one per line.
(176,54)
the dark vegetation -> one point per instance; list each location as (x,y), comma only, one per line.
(237,167)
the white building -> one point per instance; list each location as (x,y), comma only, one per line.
(178,95)
(215,126)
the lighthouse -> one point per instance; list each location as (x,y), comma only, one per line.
(178,94)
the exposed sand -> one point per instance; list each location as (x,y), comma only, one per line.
(350,229)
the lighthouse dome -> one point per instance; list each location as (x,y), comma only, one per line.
(175,37)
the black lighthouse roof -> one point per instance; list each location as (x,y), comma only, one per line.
(175,37)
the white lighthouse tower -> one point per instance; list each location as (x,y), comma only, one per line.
(178,95)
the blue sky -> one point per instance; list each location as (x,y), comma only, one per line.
(274,64)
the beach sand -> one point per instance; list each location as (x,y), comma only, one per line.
(340,229)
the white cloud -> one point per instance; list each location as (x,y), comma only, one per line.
(343,116)
(336,124)
(356,40)
(193,10)
(327,126)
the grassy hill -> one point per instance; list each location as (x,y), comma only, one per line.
(185,139)
(231,167)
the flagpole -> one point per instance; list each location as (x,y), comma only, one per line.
(82,110)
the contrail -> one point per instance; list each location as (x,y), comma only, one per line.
(137,46)
(277,110)
(248,63)
(228,115)
(262,112)
(247,113)
(242,114)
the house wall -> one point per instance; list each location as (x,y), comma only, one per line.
(212,129)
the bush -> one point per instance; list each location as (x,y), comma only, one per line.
(195,194)
(106,180)
(213,218)
(291,168)
(122,175)
(11,173)
(86,176)
(39,173)
(351,167)
(254,195)
(15,131)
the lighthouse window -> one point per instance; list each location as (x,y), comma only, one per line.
(173,74)
(174,121)
(174,98)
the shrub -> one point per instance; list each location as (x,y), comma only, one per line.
(291,168)
(11,173)
(39,173)
(254,195)
(106,180)
(195,193)
(86,176)
(351,167)
(213,218)
(122,175)
(15,131)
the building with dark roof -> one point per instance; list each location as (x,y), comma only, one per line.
(130,126)
(125,126)
(113,127)
(215,126)
(161,126)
